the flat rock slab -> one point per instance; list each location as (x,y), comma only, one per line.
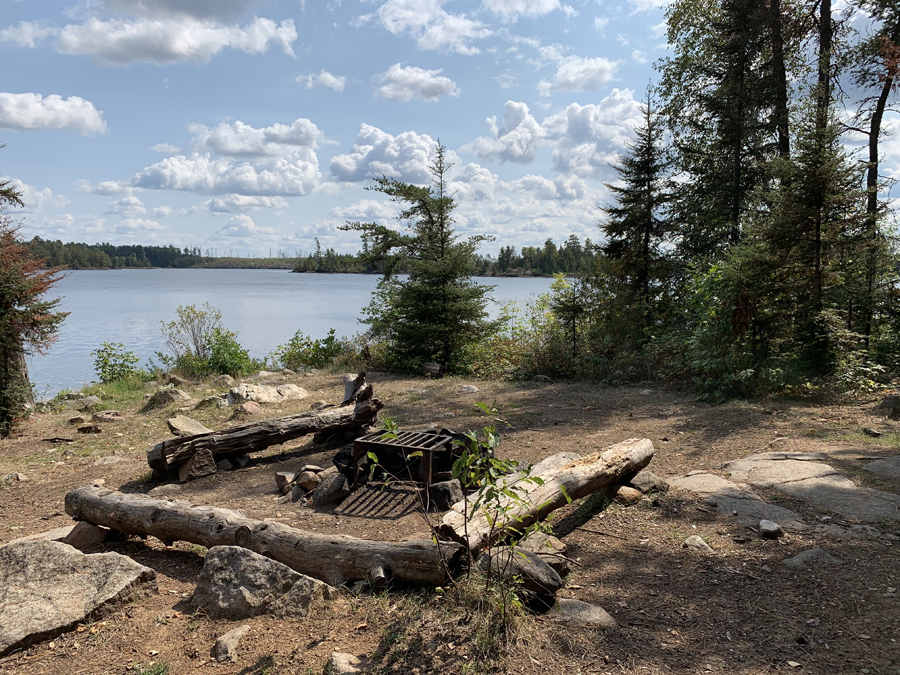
(888,467)
(709,484)
(814,557)
(767,471)
(185,426)
(577,613)
(48,588)
(236,584)
(843,496)
(261,393)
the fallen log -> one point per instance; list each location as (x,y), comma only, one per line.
(255,436)
(335,559)
(559,477)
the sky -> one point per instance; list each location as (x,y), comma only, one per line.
(255,126)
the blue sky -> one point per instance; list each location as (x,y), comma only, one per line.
(254,125)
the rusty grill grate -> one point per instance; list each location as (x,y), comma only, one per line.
(406,441)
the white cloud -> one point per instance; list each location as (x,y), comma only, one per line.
(34,199)
(200,173)
(124,41)
(639,56)
(432,27)
(242,225)
(202,9)
(323,80)
(510,10)
(107,188)
(235,203)
(589,137)
(600,22)
(473,183)
(367,210)
(160,212)
(25,112)
(562,187)
(575,73)
(375,153)
(127,206)
(165,148)
(404,83)
(645,5)
(242,141)
(27,34)
(517,141)
(140,226)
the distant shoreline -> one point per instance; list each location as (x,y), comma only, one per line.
(288,268)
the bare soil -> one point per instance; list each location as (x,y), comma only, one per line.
(738,610)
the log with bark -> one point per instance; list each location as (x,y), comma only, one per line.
(560,476)
(335,559)
(165,458)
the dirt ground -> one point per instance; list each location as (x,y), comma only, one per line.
(737,610)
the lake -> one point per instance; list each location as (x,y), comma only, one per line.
(265,308)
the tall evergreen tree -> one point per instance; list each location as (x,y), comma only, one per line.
(438,310)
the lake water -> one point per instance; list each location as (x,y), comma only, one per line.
(265,308)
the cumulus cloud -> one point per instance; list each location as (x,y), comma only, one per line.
(157,40)
(243,141)
(127,206)
(473,183)
(323,80)
(510,10)
(165,148)
(405,83)
(562,187)
(36,199)
(367,210)
(242,225)
(575,73)
(139,226)
(431,26)
(29,111)
(220,10)
(405,156)
(235,203)
(106,188)
(589,137)
(517,141)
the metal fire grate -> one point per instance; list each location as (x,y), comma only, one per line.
(406,443)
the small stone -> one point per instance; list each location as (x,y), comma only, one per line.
(90,402)
(185,426)
(14,478)
(98,482)
(165,490)
(871,432)
(696,542)
(317,405)
(202,463)
(541,378)
(296,493)
(283,480)
(174,380)
(445,494)
(469,389)
(315,468)
(164,398)
(308,480)
(211,402)
(287,371)
(85,534)
(226,646)
(245,410)
(109,460)
(812,557)
(340,663)
(90,429)
(331,490)
(108,416)
(224,465)
(576,613)
(627,496)
(646,392)
(769,529)
(647,482)
(78,419)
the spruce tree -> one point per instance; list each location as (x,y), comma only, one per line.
(438,310)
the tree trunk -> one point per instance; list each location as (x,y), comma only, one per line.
(260,435)
(335,559)
(782,116)
(574,478)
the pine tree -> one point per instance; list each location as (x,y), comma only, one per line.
(438,310)
(27,323)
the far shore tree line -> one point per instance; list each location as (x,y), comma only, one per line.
(746,250)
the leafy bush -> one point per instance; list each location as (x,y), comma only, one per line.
(303,352)
(227,356)
(113,364)
(191,331)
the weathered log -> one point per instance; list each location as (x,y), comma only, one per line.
(335,559)
(257,436)
(575,478)
(356,388)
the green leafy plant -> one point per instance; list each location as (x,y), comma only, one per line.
(303,352)
(227,356)
(113,363)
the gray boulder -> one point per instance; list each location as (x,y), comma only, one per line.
(577,613)
(89,403)
(769,529)
(202,463)
(445,494)
(647,482)
(224,381)
(811,558)
(164,398)
(47,588)
(185,426)
(535,575)
(891,406)
(261,393)
(549,549)
(238,584)
(697,543)
(332,490)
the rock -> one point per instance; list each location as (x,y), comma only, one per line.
(98,482)
(108,416)
(240,461)
(770,530)
(90,429)
(696,542)
(317,405)
(767,471)
(109,460)
(469,389)
(224,381)
(647,482)
(526,567)
(841,495)
(164,398)
(445,494)
(261,393)
(89,403)
(549,549)
(85,535)
(238,584)
(245,410)
(226,646)
(48,588)
(185,426)
(812,557)
(315,468)
(78,419)
(202,463)
(175,380)
(541,378)
(165,490)
(645,392)
(15,478)
(211,402)
(888,467)
(872,432)
(627,496)
(263,374)
(296,493)
(891,406)
(283,480)
(576,613)
(56,534)
(340,663)
(224,465)
(332,490)
(287,371)
(308,480)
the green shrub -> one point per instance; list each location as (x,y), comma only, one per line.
(113,364)
(227,356)
(303,352)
